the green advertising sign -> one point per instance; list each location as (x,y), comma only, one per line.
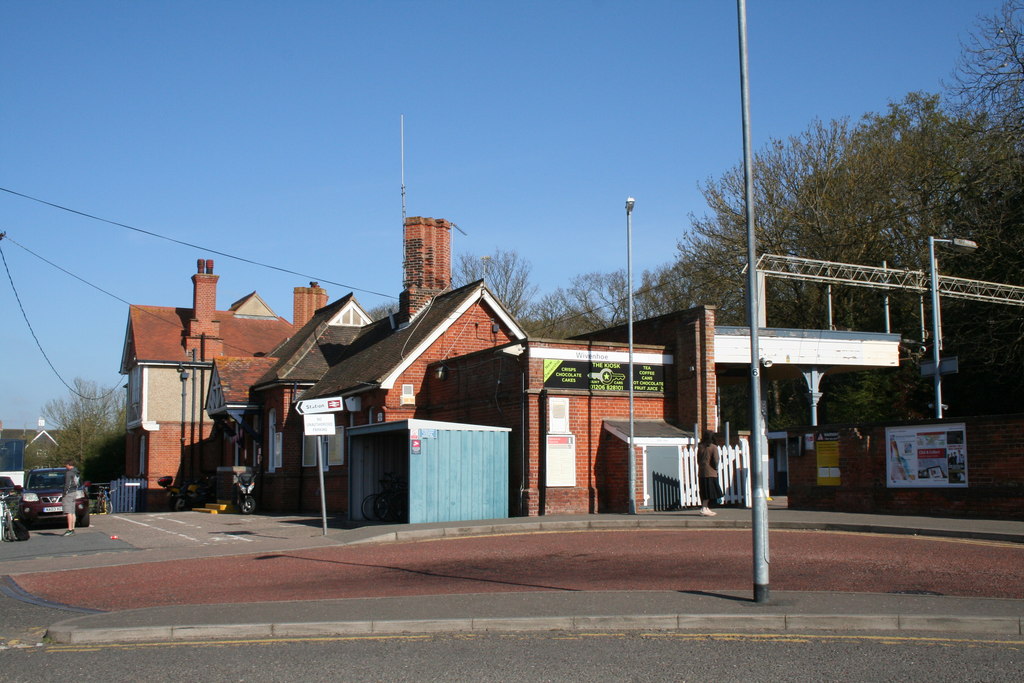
(595,376)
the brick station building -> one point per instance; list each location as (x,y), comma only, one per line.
(449,355)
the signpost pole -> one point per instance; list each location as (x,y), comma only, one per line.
(320,473)
(318,424)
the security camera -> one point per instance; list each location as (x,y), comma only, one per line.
(767,362)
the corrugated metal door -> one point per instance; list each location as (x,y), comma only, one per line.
(458,475)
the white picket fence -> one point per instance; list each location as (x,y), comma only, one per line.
(733,475)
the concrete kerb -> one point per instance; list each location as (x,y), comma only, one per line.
(668,622)
(655,523)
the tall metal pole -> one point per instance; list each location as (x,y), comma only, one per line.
(629,377)
(936,327)
(759,522)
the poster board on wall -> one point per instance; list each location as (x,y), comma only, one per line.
(826,449)
(561,460)
(926,456)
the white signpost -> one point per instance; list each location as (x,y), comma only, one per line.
(319,424)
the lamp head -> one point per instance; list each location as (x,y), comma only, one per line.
(963,246)
(629,203)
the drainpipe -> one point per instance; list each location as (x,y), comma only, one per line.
(523,446)
(183,376)
(192,423)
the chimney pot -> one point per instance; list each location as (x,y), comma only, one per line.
(200,266)
(209,266)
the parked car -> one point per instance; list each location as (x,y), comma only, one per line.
(43,495)
(6,485)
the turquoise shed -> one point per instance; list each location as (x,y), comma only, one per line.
(445,471)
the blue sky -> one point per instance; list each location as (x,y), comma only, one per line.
(270,131)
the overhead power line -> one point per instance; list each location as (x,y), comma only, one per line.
(190,244)
(39,344)
(141,309)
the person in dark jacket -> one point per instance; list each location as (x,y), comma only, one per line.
(707,472)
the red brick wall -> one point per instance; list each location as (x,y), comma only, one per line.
(163,456)
(689,336)
(995,473)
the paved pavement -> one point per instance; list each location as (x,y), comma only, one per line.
(283,575)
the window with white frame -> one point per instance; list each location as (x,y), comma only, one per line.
(336,447)
(333,449)
(134,408)
(273,442)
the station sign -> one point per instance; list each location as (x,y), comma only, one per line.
(333,404)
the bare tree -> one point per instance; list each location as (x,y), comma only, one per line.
(506,273)
(989,75)
(91,424)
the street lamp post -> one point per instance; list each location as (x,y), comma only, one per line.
(956,244)
(629,376)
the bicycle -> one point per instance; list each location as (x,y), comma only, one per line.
(391,503)
(101,504)
(6,519)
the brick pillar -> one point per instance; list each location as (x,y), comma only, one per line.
(696,380)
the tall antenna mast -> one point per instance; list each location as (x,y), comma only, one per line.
(403,168)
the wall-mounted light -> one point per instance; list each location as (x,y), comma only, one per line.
(442,372)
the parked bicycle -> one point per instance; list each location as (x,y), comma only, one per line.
(11,529)
(101,503)
(391,503)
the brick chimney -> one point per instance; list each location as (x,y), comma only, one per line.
(307,301)
(203,332)
(428,263)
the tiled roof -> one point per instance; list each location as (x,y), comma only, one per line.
(379,349)
(307,355)
(236,375)
(158,333)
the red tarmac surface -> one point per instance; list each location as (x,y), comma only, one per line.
(677,560)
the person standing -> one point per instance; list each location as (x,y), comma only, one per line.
(71,482)
(707,471)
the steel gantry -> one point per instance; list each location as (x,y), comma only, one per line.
(831,272)
(874,277)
